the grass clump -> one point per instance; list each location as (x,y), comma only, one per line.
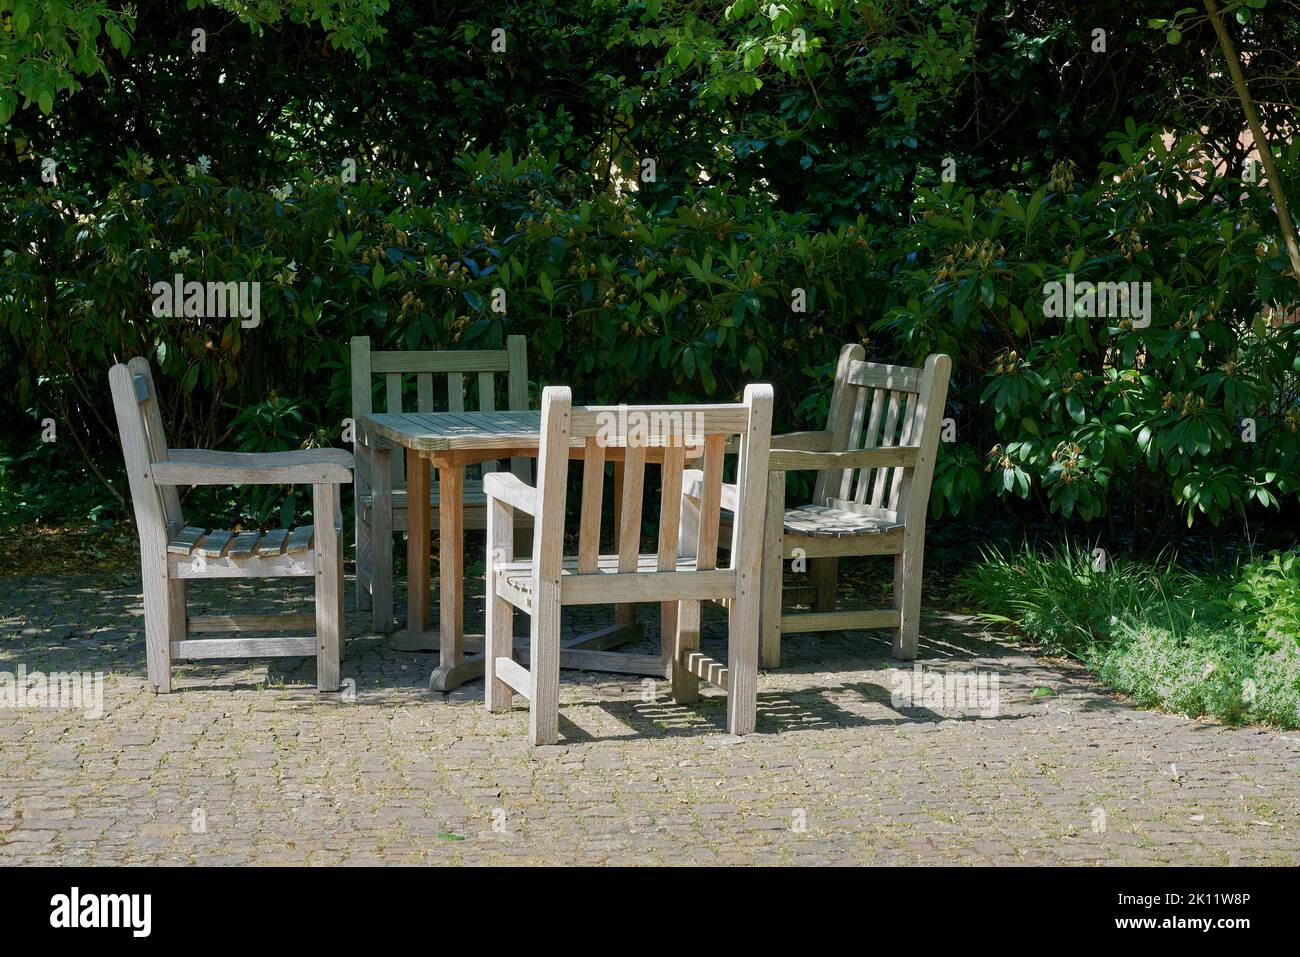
(1223,644)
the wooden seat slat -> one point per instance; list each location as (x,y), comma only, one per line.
(214,544)
(272,542)
(300,539)
(183,542)
(244,545)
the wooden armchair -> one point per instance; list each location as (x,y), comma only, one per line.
(379,515)
(682,573)
(870,498)
(171,552)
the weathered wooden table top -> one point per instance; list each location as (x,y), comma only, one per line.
(455,431)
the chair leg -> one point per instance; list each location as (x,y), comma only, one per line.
(326,518)
(772,573)
(544,666)
(365,560)
(164,622)
(907,599)
(686,687)
(381,543)
(742,662)
(686,636)
(499,627)
(499,640)
(825,577)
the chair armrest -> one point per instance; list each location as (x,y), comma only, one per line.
(300,466)
(510,489)
(693,488)
(807,441)
(788,460)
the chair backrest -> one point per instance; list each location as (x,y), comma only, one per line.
(140,427)
(400,370)
(676,432)
(878,406)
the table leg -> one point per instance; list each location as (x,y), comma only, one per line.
(417,554)
(451,592)
(454,669)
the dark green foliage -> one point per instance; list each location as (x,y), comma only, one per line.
(778,168)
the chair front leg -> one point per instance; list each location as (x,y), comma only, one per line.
(499,627)
(164,622)
(544,663)
(327,517)
(772,573)
(742,661)
(381,542)
(907,596)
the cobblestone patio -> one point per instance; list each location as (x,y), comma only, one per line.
(246,763)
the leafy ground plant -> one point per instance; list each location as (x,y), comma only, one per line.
(1220,644)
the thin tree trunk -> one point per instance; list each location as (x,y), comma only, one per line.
(1256,131)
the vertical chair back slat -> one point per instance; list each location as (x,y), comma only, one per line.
(593,482)
(393,403)
(670,504)
(424,391)
(706,548)
(455,392)
(486,403)
(629,524)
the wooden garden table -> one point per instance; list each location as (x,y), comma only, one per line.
(449,441)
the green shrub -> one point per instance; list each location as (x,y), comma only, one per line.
(619,301)
(1090,414)
(1268,593)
